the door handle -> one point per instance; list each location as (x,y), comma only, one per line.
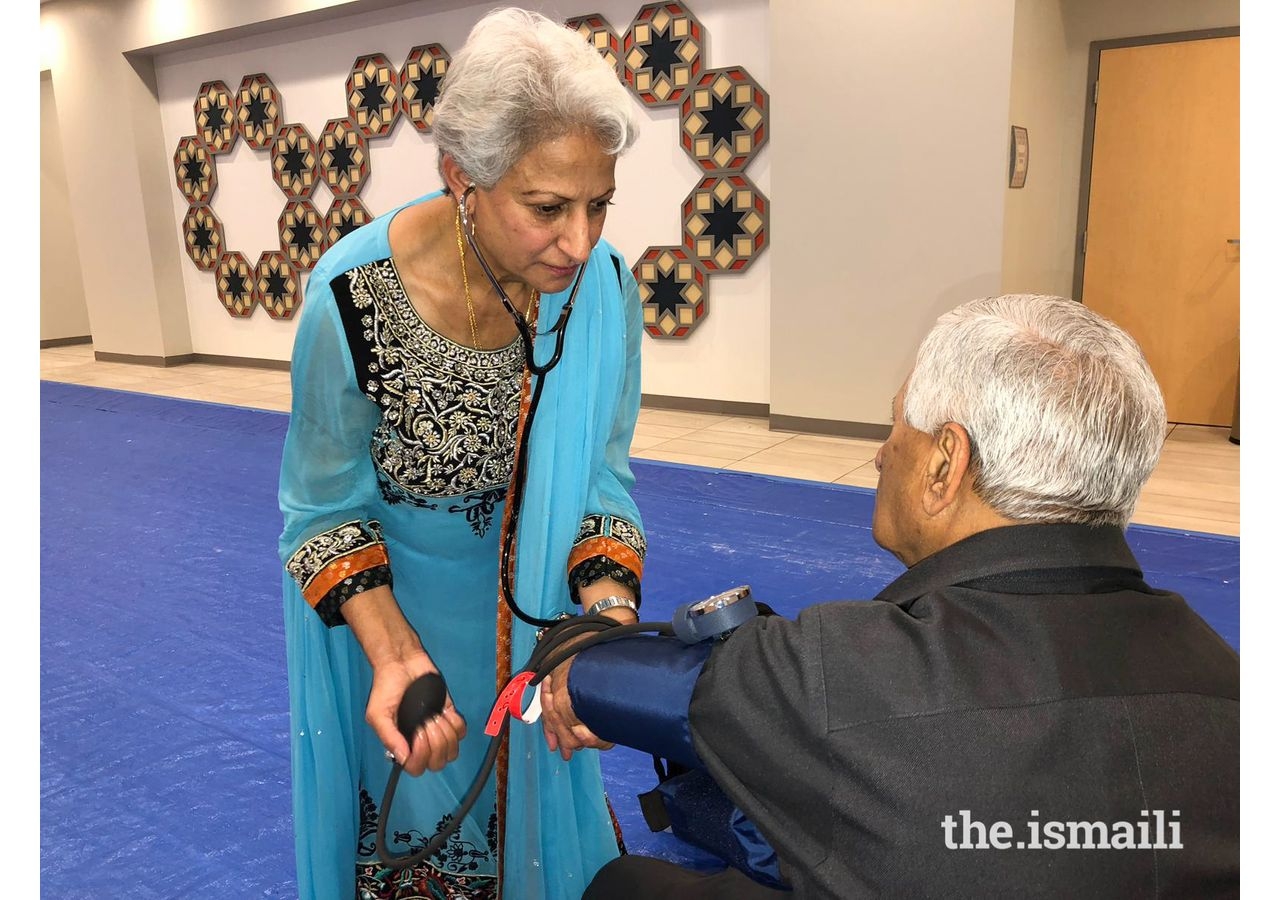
(1235,241)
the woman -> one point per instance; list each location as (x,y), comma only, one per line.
(411,387)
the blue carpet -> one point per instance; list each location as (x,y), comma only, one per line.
(164,709)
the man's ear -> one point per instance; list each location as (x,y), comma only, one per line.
(949,461)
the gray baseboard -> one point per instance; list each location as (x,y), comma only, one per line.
(868,431)
(182,359)
(66,341)
(693,404)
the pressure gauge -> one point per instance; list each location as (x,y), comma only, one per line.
(715,617)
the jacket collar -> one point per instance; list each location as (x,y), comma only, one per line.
(1014,548)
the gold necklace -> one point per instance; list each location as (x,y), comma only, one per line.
(530,310)
(466,285)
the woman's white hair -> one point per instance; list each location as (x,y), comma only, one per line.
(522,79)
(1065,417)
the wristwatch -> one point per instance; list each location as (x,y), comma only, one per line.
(610,602)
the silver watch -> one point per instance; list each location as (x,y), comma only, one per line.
(610,602)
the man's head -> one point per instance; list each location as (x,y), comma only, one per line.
(1020,409)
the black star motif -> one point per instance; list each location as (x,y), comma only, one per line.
(216,117)
(202,236)
(277,286)
(295,161)
(257,112)
(301,238)
(666,293)
(340,158)
(346,224)
(193,171)
(722,120)
(371,99)
(660,53)
(236,286)
(724,224)
(426,86)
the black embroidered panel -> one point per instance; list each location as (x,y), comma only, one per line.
(330,606)
(593,569)
(459,868)
(449,412)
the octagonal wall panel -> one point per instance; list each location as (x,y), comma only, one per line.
(258,113)
(673,291)
(662,53)
(724,120)
(344,157)
(373,95)
(195,170)
(726,223)
(295,162)
(301,234)
(344,216)
(419,82)
(215,109)
(235,284)
(276,285)
(202,237)
(597,32)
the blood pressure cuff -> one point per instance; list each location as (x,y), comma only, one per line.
(636,691)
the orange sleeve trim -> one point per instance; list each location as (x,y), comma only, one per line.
(344,567)
(612,548)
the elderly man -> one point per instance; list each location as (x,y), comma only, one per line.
(1019,714)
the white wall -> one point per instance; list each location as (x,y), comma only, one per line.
(890,150)
(63,312)
(309,66)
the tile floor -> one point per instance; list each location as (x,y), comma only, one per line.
(1196,485)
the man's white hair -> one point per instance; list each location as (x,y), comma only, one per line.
(1065,417)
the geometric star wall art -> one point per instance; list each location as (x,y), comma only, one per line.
(344,157)
(373,95)
(275,285)
(193,165)
(725,222)
(215,109)
(596,31)
(722,124)
(295,162)
(258,115)
(235,283)
(301,234)
(419,83)
(673,291)
(722,120)
(662,53)
(202,233)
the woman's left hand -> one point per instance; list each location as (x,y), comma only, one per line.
(560,725)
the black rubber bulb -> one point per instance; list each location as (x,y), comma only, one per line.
(422,700)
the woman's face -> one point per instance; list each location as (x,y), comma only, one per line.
(540,221)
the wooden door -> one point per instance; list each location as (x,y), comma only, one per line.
(1162,236)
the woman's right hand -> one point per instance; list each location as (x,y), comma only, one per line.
(396,655)
(435,743)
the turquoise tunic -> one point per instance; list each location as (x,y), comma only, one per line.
(402,441)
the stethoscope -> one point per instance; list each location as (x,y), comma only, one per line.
(538,372)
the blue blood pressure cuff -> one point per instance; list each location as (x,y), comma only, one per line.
(636,691)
